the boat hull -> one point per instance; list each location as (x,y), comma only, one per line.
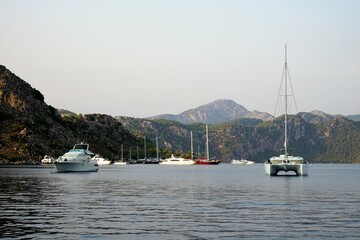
(208,162)
(301,169)
(190,162)
(106,162)
(120,163)
(90,166)
(242,162)
(177,161)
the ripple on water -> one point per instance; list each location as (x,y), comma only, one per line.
(140,202)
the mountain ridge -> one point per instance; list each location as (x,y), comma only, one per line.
(227,110)
(218,111)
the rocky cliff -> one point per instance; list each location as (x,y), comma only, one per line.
(30,129)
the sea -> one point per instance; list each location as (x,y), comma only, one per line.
(180,202)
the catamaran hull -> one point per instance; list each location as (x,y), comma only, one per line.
(76,167)
(274,169)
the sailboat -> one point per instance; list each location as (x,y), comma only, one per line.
(147,160)
(286,162)
(122,157)
(207,160)
(153,160)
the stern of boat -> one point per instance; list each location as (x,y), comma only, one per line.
(299,169)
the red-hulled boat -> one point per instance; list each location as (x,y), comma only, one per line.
(207,160)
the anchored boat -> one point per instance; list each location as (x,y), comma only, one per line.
(242,162)
(286,162)
(177,161)
(207,160)
(78,159)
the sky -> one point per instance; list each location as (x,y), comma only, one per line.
(142,58)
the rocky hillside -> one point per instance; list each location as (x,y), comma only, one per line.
(316,117)
(30,129)
(334,141)
(219,111)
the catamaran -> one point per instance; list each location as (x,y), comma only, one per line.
(286,162)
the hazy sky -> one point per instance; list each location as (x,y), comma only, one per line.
(144,58)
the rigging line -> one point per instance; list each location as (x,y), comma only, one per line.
(292,91)
(279,93)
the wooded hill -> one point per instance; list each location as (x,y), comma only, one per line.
(336,141)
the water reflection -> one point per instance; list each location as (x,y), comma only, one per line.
(23,200)
(192,202)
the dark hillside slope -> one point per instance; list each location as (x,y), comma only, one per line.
(30,129)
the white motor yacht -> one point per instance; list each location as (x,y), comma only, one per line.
(119,163)
(242,161)
(78,159)
(47,160)
(177,161)
(100,160)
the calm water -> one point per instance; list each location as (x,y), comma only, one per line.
(180,202)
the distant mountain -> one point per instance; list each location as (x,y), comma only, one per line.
(316,117)
(219,111)
(355,118)
(225,110)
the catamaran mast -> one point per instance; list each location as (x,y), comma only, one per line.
(286,105)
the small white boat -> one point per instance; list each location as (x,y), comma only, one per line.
(242,161)
(119,163)
(47,160)
(100,160)
(177,161)
(78,159)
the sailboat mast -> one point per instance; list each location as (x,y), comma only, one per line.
(192,146)
(122,152)
(286,105)
(137,152)
(144,147)
(157,147)
(207,143)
